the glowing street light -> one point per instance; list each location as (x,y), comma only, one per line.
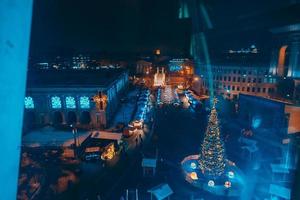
(227,184)
(231,174)
(157,52)
(211,183)
(194,176)
(193,165)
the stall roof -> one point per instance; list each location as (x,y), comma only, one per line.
(72,78)
(149,162)
(161,191)
(106,135)
(280,191)
(48,136)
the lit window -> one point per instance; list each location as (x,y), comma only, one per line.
(84,102)
(28,102)
(55,102)
(70,102)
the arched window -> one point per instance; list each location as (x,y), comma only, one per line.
(84,102)
(28,102)
(55,102)
(70,102)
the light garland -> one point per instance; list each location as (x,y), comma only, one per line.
(212,155)
(109,152)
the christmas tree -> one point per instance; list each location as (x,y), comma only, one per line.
(212,156)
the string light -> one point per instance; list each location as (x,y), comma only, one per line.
(109,153)
(100,100)
(212,155)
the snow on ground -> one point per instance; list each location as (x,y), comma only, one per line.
(48,136)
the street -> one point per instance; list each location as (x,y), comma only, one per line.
(177,132)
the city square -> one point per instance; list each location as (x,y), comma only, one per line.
(150,100)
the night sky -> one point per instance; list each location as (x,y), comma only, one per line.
(140,26)
(113,26)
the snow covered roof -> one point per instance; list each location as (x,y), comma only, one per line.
(161,191)
(280,191)
(48,136)
(106,135)
(148,162)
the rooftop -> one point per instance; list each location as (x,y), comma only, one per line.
(72,78)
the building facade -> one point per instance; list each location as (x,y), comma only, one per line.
(143,67)
(231,80)
(285,58)
(159,78)
(273,123)
(71,97)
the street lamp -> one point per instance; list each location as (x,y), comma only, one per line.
(74,132)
